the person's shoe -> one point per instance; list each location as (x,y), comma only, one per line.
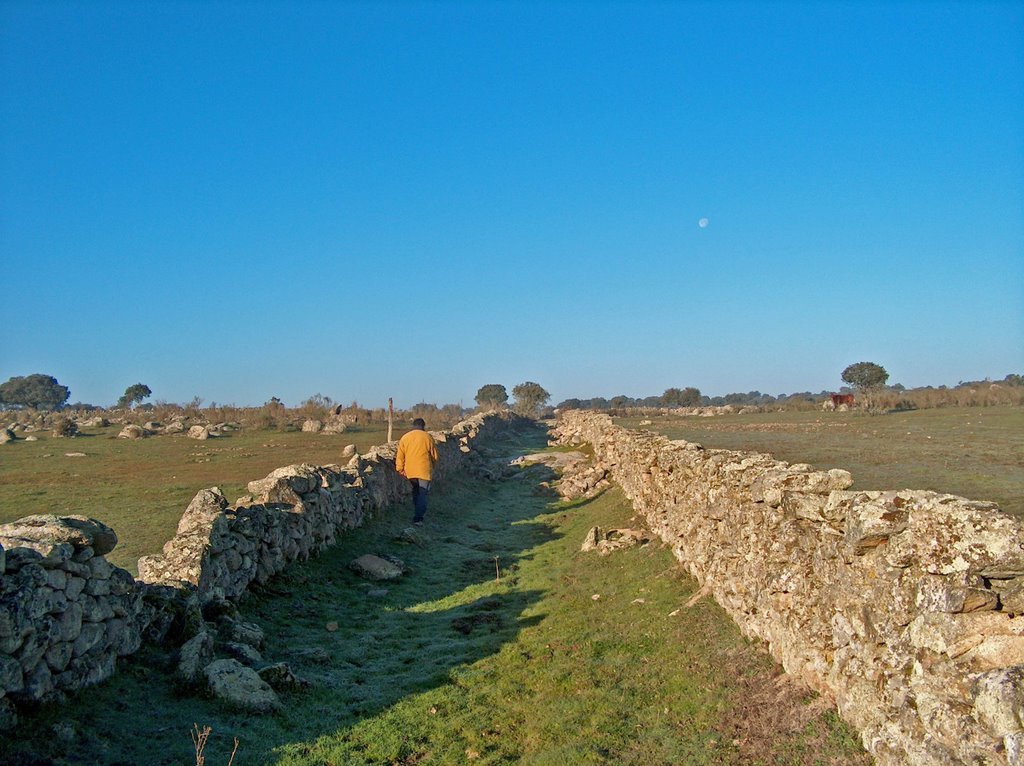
(417,523)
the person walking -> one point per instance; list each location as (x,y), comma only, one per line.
(416,458)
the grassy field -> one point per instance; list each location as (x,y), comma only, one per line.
(976,452)
(141,488)
(504,644)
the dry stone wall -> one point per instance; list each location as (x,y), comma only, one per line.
(66,614)
(902,606)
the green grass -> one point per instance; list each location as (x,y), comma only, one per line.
(976,452)
(459,664)
(141,488)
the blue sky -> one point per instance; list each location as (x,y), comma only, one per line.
(244,200)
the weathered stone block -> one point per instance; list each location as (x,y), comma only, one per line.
(78,531)
(999,700)
(194,655)
(58,656)
(97,588)
(74,587)
(871,517)
(69,623)
(90,636)
(240,686)
(57,579)
(100,568)
(38,682)
(966,593)
(376,568)
(12,677)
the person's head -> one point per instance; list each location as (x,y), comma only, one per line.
(419,423)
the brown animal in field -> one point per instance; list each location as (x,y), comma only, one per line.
(838,399)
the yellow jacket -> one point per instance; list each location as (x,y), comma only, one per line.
(417,455)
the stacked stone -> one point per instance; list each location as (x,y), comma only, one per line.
(66,613)
(294,512)
(901,605)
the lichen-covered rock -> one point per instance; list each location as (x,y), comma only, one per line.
(132,431)
(199,432)
(193,657)
(376,568)
(240,686)
(79,531)
(282,678)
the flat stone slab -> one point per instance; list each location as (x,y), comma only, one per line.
(557,461)
(376,568)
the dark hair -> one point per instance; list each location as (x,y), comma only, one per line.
(419,423)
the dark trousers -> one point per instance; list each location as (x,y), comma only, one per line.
(420,490)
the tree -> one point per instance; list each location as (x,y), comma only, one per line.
(865,376)
(530,397)
(492,396)
(133,395)
(37,391)
(686,397)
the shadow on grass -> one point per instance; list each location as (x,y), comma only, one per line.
(365,646)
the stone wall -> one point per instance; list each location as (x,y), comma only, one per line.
(66,613)
(902,606)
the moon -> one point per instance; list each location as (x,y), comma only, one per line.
(703,223)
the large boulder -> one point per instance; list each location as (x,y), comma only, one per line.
(313,426)
(199,432)
(132,431)
(241,687)
(6,435)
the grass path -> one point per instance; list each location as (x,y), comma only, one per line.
(504,644)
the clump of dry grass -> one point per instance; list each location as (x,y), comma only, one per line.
(768,709)
(199,739)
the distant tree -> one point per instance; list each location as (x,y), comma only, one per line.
(492,396)
(530,397)
(133,395)
(865,376)
(671,397)
(685,397)
(620,401)
(569,404)
(38,391)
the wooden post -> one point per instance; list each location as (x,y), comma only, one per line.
(391,416)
